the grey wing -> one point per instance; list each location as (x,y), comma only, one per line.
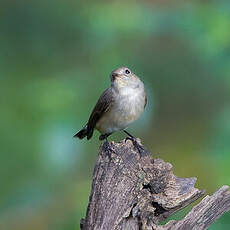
(103,105)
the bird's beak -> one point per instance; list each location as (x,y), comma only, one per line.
(114,76)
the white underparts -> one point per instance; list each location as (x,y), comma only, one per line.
(128,106)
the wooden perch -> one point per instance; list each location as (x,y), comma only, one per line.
(130,192)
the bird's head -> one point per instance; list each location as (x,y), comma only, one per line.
(123,77)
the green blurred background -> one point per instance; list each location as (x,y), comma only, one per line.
(55,60)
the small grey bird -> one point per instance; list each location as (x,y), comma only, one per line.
(117,107)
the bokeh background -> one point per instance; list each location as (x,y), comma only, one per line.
(55,60)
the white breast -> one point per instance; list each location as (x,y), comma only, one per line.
(128,106)
(131,104)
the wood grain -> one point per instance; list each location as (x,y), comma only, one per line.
(133,192)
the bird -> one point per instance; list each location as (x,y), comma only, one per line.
(117,107)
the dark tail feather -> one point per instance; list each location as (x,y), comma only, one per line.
(84,132)
(90,133)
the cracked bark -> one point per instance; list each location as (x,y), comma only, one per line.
(133,192)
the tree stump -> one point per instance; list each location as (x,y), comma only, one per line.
(130,192)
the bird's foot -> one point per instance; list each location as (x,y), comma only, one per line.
(139,147)
(108,148)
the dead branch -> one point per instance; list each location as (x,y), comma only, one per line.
(133,192)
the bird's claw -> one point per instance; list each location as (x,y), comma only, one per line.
(139,147)
(108,148)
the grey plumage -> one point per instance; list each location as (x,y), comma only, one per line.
(118,105)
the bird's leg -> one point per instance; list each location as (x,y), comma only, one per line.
(140,149)
(108,149)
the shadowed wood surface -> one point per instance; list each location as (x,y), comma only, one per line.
(133,192)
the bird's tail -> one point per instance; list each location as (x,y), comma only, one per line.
(84,132)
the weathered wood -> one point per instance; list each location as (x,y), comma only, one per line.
(133,192)
(205,213)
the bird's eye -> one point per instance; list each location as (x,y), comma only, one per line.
(127,71)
